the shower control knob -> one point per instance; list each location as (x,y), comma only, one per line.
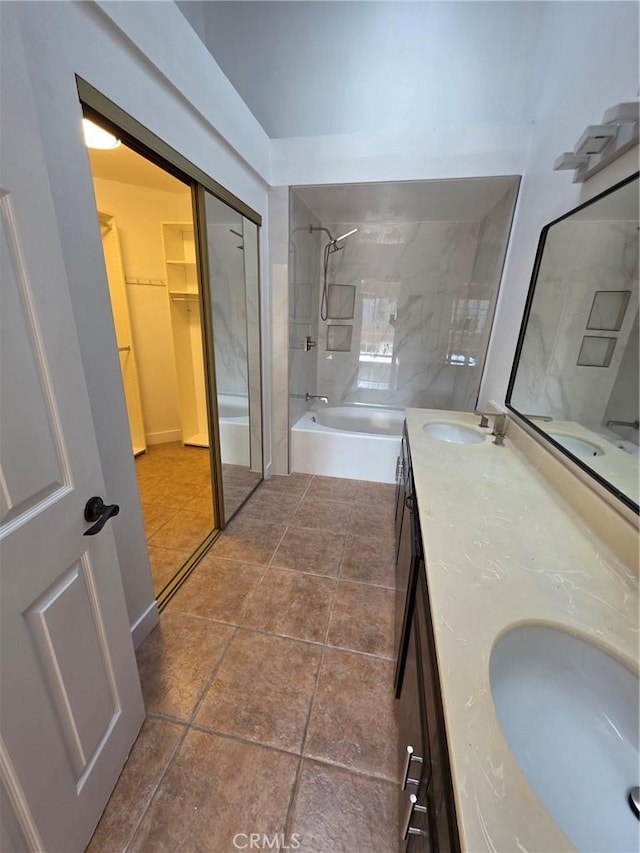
(96,510)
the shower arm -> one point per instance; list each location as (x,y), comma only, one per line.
(313,228)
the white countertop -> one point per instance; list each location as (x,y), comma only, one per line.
(501,549)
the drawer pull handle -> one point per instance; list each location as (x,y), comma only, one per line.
(407,829)
(406,779)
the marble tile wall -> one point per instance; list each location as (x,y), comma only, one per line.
(580,258)
(413,275)
(304,271)
(493,237)
(226,265)
(624,402)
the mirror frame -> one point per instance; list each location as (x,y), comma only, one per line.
(626,500)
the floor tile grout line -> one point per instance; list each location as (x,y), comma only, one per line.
(209,730)
(303,743)
(211,678)
(353,770)
(156,787)
(288,820)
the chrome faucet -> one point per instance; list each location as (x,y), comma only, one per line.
(499,425)
(499,429)
(308,397)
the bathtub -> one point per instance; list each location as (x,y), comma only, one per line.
(233,419)
(359,442)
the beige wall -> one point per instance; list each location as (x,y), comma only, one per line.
(139,212)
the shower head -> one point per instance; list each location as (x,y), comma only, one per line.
(344,236)
(332,240)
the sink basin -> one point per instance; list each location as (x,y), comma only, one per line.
(453,433)
(577,446)
(570,714)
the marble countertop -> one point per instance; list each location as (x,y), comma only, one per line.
(503,548)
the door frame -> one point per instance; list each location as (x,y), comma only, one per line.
(144,142)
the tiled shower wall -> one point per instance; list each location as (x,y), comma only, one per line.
(430,289)
(226,263)
(304,270)
(493,237)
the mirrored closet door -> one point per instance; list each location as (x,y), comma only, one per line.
(232,264)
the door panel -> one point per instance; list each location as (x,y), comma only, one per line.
(70,698)
(32,451)
(69,643)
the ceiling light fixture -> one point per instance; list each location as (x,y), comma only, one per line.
(601,144)
(97,137)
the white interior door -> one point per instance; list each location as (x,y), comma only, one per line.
(122,324)
(70,699)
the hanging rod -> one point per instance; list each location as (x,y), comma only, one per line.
(147,282)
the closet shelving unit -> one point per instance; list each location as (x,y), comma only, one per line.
(178,241)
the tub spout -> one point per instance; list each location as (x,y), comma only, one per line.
(308,397)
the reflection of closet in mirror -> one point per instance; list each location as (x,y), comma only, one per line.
(186,325)
(232,252)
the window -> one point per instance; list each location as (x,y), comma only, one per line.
(468,319)
(379,313)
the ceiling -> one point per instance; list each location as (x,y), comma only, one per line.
(323,67)
(124,165)
(463,200)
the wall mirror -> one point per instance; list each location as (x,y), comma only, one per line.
(575,376)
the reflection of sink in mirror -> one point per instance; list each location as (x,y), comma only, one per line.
(453,433)
(570,714)
(577,446)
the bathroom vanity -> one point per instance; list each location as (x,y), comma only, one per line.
(517,666)
(426,801)
(501,549)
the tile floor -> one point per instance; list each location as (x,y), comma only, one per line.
(269,686)
(175,490)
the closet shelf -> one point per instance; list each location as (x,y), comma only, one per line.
(183,296)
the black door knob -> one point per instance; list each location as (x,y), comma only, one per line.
(96,510)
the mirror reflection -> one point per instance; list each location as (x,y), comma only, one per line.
(232,249)
(576,373)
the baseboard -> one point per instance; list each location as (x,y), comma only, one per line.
(144,625)
(163,437)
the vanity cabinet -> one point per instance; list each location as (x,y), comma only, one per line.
(427,808)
